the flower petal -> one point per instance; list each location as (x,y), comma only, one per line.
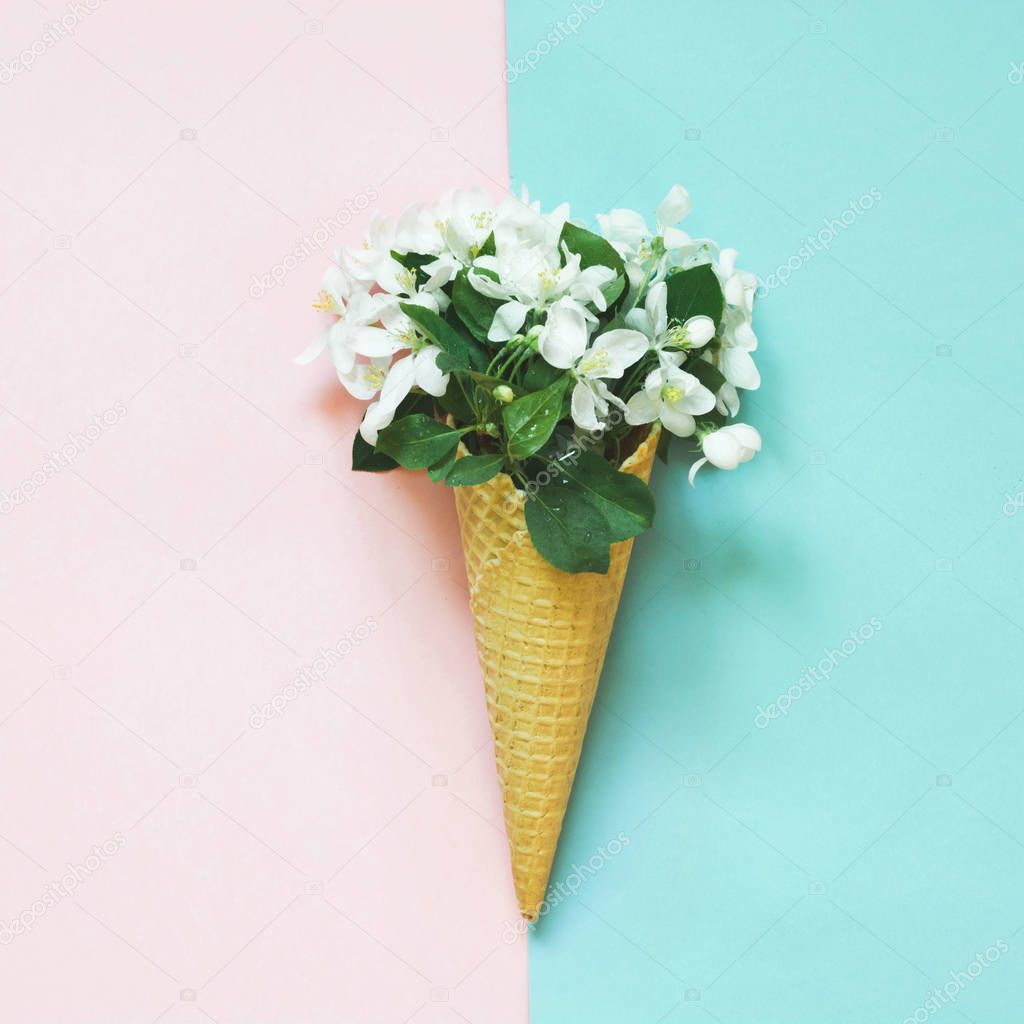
(584,407)
(401,378)
(427,375)
(376,418)
(674,207)
(508,319)
(722,449)
(313,349)
(641,408)
(624,348)
(676,420)
(699,330)
(564,338)
(694,469)
(676,239)
(738,368)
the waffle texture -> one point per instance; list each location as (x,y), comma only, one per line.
(541,636)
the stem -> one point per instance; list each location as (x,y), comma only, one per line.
(501,361)
(518,362)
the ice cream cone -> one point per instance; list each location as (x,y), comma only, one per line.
(541,636)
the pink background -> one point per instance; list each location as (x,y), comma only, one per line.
(345,861)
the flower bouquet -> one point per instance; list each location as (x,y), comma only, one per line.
(537,367)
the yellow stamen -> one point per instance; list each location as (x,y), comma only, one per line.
(594,361)
(679,336)
(325,303)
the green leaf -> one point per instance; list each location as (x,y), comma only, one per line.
(530,420)
(457,400)
(612,291)
(418,441)
(476,311)
(471,470)
(415,401)
(567,529)
(710,376)
(366,460)
(539,374)
(593,249)
(439,470)
(694,292)
(624,501)
(462,350)
(488,248)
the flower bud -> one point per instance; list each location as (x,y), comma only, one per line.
(727,447)
(503,393)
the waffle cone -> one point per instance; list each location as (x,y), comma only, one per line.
(541,636)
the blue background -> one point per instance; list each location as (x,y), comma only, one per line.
(839,863)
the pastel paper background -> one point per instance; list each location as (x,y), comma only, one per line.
(841,860)
(340,854)
(168,170)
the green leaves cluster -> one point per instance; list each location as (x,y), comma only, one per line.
(509,410)
(578,505)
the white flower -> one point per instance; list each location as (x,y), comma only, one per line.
(727,447)
(352,334)
(674,397)
(672,209)
(364,380)
(418,369)
(734,359)
(627,230)
(728,403)
(606,359)
(395,278)
(465,218)
(738,286)
(533,279)
(334,291)
(419,230)
(624,229)
(669,342)
(563,338)
(363,264)
(333,298)
(393,330)
(521,224)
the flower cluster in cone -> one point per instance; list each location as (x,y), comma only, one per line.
(502,339)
